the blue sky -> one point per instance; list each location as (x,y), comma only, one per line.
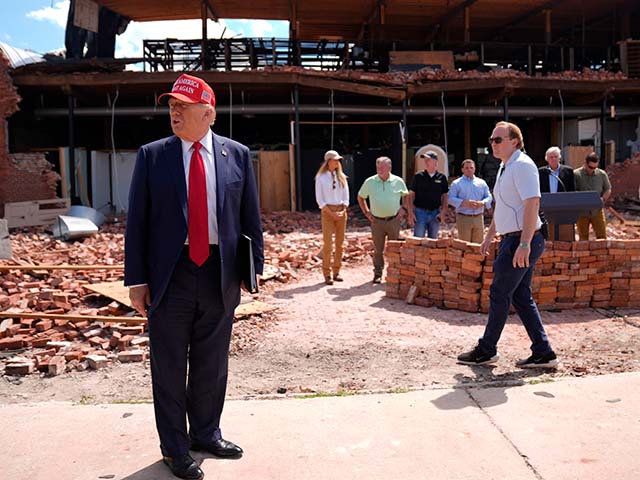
(38,25)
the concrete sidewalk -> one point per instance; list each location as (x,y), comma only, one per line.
(586,428)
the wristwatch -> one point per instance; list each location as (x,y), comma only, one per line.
(524,244)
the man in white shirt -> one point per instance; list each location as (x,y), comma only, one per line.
(517,196)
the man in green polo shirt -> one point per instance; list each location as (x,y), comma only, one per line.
(591,178)
(385,192)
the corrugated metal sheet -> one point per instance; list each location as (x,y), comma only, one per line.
(19,57)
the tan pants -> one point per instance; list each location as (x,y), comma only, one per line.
(380,230)
(599,225)
(470,227)
(331,227)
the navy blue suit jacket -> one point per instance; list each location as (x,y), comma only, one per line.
(157,217)
(566,176)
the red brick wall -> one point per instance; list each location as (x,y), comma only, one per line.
(452,273)
(22,176)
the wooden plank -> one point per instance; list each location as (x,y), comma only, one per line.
(274,180)
(292,177)
(95,318)
(617,215)
(253,308)
(33,213)
(113,290)
(43,268)
(352,87)
(443,58)
(64,182)
(574,155)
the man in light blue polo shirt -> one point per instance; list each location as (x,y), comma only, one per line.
(469,195)
(517,195)
(385,192)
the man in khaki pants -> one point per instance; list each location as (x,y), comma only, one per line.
(590,178)
(469,195)
(384,191)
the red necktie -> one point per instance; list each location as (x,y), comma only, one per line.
(198,219)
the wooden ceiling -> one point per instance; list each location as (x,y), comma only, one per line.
(388,19)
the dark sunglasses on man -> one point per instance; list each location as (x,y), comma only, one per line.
(592,166)
(496,140)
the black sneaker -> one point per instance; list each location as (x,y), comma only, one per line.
(548,360)
(477,357)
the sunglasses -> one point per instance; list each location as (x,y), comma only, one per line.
(591,167)
(496,140)
(422,155)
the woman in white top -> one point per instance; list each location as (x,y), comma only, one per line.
(332,195)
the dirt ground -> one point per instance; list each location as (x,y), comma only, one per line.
(349,337)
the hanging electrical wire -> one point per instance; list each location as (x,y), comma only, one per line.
(561,119)
(113,147)
(230,111)
(444,123)
(332,118)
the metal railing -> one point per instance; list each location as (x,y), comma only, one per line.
(255,53)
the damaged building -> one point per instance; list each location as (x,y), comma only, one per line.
(366,77)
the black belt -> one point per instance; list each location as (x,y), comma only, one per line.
(385,219)
(517,233)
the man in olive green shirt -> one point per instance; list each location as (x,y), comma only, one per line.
(384,191)
(590,178)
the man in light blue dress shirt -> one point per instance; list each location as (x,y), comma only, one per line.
(470,195)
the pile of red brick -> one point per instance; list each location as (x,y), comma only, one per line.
(625,178)
(452,273)
(63,345)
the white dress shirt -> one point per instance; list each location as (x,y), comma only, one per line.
(517,181)
(326,194)
(210,171)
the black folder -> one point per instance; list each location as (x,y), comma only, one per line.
(246,265)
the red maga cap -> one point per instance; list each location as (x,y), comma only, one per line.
(190,89)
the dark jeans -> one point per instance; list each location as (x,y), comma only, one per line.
(190,328)
(513,285)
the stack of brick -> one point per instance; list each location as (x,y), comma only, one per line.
(453,274)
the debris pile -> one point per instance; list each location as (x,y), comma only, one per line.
(625,178)
(427,74)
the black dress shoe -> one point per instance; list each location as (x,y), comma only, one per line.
(220,448)
(183,466)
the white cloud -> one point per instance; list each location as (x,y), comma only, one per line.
(260,28)
(56,14)
(129,44)
(7,37)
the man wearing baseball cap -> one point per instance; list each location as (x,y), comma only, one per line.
(192,196)
(427,196)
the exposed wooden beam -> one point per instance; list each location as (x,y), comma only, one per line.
(362,89)
(455,86)
(524,17)
(592,98)
(214,15)
(495,95)
(435,27)
(378,8)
